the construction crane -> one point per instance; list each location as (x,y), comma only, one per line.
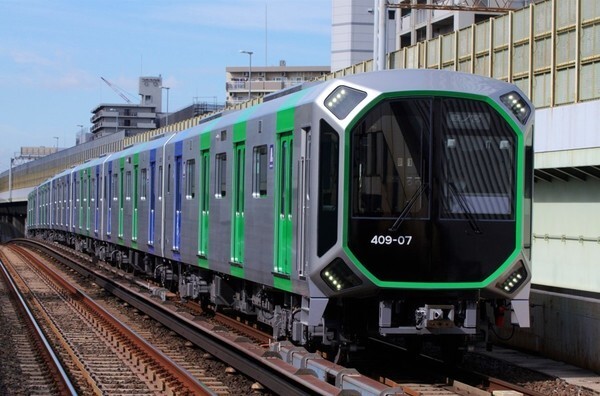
(458,5)
(118,90)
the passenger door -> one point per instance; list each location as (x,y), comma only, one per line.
(283,226)
(237,231)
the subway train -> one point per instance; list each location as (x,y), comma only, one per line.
(394,204)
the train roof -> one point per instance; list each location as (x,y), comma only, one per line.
(396,80)
(427,80)
(142,146)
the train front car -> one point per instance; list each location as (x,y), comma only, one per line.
(437,179)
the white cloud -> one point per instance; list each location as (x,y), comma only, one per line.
(44,69)
(71,79)
(30,58)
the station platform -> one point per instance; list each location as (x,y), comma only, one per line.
(571,374)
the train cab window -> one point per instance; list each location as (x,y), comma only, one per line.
(221,175)
(478,150)
(390,160)
(190,184)
(259,174)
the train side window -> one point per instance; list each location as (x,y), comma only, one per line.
(168,178)
(144,184)
(190,184)
(221,175)
(85,188)
(128,186)
(160,182)
(115,186)
(327,211)
(259,174)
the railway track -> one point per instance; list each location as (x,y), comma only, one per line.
(103,355)
(28,353)
(279,366)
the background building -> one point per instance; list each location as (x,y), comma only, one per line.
(133,118)
(418,25)
(352,32)
(111,118)
(266,79)
(352,25)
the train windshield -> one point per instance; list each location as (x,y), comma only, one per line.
(477,161)
(390,161)
(458,153)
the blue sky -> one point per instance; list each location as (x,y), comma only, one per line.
(53,53)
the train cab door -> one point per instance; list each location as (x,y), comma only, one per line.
(283,226)
(237,229)
(177,208)
(303,201)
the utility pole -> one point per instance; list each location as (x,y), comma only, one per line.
(379,36)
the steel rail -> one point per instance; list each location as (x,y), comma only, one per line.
(61,378)
(237,352)
(185,379)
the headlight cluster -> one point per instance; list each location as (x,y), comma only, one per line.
(514,280)
(342,100)
(338,276)
(517,105)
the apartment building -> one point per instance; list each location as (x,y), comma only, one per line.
(245,82)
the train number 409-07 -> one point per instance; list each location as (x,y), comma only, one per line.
(388,240)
